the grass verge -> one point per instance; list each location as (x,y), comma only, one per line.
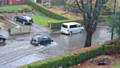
(15,8)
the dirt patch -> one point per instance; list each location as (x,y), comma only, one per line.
(110,60)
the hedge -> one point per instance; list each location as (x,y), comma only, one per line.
(66,60)
(74,58)
(45,11)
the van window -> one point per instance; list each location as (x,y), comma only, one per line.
(65,26)
(79,25)
(73,26)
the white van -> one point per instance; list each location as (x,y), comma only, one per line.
(71,27)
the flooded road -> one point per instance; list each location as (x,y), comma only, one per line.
(19,51)
(77,40)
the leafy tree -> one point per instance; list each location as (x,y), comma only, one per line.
(91,10)
(114,22)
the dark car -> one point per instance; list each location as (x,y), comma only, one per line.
(25,20)
(2,40)
(39,39)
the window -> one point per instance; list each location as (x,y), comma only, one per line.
(18,0)
(65,26)
(79,25)
(73,26)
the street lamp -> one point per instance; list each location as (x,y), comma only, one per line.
(112,33)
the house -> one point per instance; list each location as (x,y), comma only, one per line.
(12,2)
(44,2)
(50,3)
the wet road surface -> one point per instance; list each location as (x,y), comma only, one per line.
(77,40)
(19,51)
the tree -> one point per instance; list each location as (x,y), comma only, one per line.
(114,21)
(90,11)
(112,30)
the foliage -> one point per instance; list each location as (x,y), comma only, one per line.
(114,22)
(76,57)
(66,60)
(45,11)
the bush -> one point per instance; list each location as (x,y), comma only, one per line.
(74,58)
(66,60)
(45,11)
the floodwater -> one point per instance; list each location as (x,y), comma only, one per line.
(19,51)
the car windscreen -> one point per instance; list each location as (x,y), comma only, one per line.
(40,38)
(65,26)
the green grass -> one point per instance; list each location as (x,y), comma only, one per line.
(39,19)
(43,20)
(13,7)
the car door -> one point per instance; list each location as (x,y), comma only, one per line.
(73,28)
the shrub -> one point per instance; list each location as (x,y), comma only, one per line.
(73,58)
(66,60)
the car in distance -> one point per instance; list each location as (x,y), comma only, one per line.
(25,20)
(2,40)
(39,39)
(71,27)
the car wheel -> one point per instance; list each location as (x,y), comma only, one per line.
(82,30)
(33,43)
(70,33)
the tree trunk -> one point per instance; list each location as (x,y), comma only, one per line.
(88,40)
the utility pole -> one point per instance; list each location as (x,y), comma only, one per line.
(114,10)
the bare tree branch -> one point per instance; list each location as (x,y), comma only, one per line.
(90,16)
(81,9)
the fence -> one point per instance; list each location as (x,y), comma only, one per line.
(57,25)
